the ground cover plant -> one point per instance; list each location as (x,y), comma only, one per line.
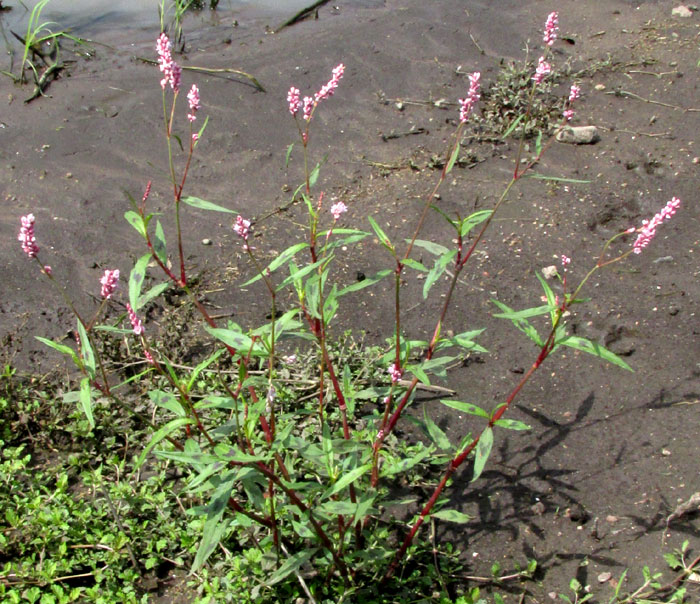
(318,479)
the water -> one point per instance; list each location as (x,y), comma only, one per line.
(90,18)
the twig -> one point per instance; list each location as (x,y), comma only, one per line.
(213,71)
(302,14)
(625,93)
(300,578)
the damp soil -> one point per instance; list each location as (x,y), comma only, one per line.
(611,453)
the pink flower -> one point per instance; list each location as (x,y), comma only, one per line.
(574,93)
(47,270)
(565,260)
(241,227)
(551,27)
(109,282)
(149,357)
(543,68)
(467,104)
(395,372)
(195,137)
(293,100)
(193,100)
(648,229)
(135,321)
(328,90)
(26,236)
(308,107)
(309,103)
(171,70)
(337,209)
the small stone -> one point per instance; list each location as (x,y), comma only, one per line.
(665,452)
(206,241)
(549,272)
(69,174)
(604,577)
(599,87)
(682,11)
(611,519)
(538,508)
(399,105)
(579,135)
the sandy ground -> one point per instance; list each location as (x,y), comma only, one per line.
(611,453)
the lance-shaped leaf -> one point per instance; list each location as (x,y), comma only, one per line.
(279,261)
(520,321)
(213,526)
(136,279)
(483,450)
(437,270)
(159,246)
(346,479)
(86,400)
(381,235)
(202,204)
(452,516)
(593,348)
(366,282)
(162,433)
(291,564)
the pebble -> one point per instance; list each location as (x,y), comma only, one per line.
(663,259)
(599,87)
(604,577)
(206,241)
(682,11)
(579,135)
(611,519)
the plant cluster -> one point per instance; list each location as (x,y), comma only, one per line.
(309,488)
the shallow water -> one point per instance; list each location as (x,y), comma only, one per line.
(91,17)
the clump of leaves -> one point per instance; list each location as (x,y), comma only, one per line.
(508,98)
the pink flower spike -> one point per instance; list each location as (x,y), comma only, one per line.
(551,27)
(26,236)
(574,93)
(47,270)
(337,209)
(149,357)
(568,114)
(309,105)
(193,100)
(395,373)
(294,100)
(328,90)
(195,137)
(648,229)
(543,68)
(109,282)
(467,104)
(170,69)
(136,324)
(242,227)
(565,260)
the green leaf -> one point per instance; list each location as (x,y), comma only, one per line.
(465,408)
(593,348)
(162,433)
(512,127)
(152,293)
(526,313)
(434,248)
(473,220)
(437,270)
(168,401)
(288,155)
(383,239)
(201,367)
(291,565)
(234,339)
(435,432)
(453,159)
(213,527)
(86,348)
(136,279)
(159,244)
(483,450)
(313,177)
(437,365)
(551,297)
(452,516)
(86,400)
(522,324)
(346,479)
(135,220)
(302,272)
(512,424)
(418,372)
(366,282)
(279,261)
(389,469)
(202,204)
(62,348)
(414,264)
